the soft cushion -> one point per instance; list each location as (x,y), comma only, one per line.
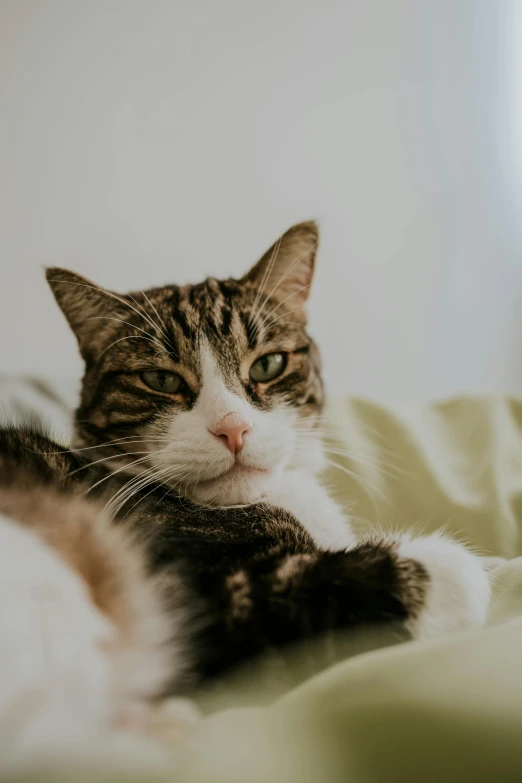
(450,709)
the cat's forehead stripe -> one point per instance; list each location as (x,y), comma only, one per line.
(218,309)
(234,326)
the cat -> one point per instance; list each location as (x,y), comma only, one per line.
(197,452)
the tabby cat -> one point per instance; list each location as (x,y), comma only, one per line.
(189,515)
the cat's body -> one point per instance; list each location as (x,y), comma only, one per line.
(198,433)
(88,633)
(236,582)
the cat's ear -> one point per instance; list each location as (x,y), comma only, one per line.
(285,271)
(85,306)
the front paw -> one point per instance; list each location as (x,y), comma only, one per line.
(457,592)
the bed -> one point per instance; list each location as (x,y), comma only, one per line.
(447,710)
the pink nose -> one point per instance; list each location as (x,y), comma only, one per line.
(232,430)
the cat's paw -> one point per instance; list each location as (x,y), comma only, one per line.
(458,589)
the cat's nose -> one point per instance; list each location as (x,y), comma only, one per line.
(232,430)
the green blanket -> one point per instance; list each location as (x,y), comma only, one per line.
(448,710)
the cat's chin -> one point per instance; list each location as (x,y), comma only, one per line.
(237,487)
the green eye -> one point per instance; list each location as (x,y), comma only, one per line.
(163,381)
(268,367)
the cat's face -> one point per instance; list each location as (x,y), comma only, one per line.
(213,389)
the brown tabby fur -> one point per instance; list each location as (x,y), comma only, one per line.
(119,337)
(254,580)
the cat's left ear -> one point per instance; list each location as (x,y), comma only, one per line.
(285,271)
(86,307)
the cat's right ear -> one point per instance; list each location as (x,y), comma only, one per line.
(85,305)
(285,271)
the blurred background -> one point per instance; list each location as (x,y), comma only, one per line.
(149,142)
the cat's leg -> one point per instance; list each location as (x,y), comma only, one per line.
(308,501)
(420,587)
(457,594)
(431,584)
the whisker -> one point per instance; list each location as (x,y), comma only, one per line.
(133,326)
(144,312)
(128,337)
(331,432)
(115,472)
(143,476)
(74,450)
(162,324)
(355,455)
(294,293)
(118,500)
(284,315)
(265,277)
(285,274)
(168,477)
(105,459)
(171,489)
(153,306)
(365,460)
(131,489)
(360,481)
(102,291)
(126,440)
(285,323)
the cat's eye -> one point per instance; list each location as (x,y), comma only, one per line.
(267,367)
(163,381)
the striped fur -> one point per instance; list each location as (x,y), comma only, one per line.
(210,334)
(251,545)
(165,328)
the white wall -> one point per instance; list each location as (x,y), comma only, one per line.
(145,141)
